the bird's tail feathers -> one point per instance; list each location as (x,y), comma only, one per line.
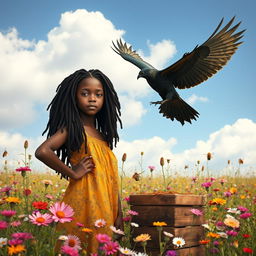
(178,109)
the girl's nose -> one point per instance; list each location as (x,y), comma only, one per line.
(92,97)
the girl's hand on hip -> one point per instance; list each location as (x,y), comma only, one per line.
(84,166)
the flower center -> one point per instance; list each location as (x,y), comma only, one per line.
(71,242)
(40,219)
(60,214)
(178,242)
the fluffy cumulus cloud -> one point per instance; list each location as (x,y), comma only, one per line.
(194,98)
(229,143)
(31,71)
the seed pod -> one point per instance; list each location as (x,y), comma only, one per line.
(168,160)
(26,144)
(29,157)
(198,161)
(240,161)
(209,156)
(229,162)
(5,153)
(202,168)
(136,176)
(162,161)
(141,153)
(124,157)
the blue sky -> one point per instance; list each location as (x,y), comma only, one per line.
(42,42)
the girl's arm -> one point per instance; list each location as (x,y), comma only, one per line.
(45,153)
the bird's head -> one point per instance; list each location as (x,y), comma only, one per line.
(145,73)
(141,74)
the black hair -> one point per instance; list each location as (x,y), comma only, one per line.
(64,113)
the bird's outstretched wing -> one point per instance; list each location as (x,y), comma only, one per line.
(204,61)
(128,54)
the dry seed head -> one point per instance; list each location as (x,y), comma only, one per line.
(162,161)
(141,153)
(240,161)
(168,160)
(29,157)
(26,144)
(5,153)
(136,176)
(209,156)
(124,157)
(229,162)
(198,161)
(202,168)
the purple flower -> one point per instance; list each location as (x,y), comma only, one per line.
(206,185)
(227,194)
(216,243)
(214,250)
(171,253)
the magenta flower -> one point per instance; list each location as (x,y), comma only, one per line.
(212,179)
(227,194)
(3,224)
(194,179)
(103,238)
(127,218)
(151,168)
(8,213)
(206,185)
(110,247)
(171,253)
(61,212)
(23,169)
(245,215)
(216,243)
(231,233)
(40,219)
(15,242)
(196,212)
(22,235)
(67,250)
(6,190)
(127,199)
(242,209)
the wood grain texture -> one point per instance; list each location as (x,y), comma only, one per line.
(192,235)
(175,216)
(168,199)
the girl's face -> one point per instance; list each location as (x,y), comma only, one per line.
(90,96)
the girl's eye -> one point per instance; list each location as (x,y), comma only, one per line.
(99,94)
(84,94)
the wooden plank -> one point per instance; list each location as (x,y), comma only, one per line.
(192,235)
(191,251)
(175,216)
(167,199)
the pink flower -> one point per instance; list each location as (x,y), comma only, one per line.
(40,219)
(61,212)
(232,233)
(227,194)
(206,184)
(127,218)
(6,189)
(103,238)
(151,168)
(23,169)
(15,241)
(110,247)
(22,235)
(194,179)
(80,224)
(3,224)
(196,212)
(67,250)
(132,212)
(245,215)
(73,241)
(242,209)
(212,179)
(127,199)
(8,213)
(15,223)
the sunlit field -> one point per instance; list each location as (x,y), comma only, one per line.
(30,210)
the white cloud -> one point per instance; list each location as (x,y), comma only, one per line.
(229,143)
(31,71)
(194,98)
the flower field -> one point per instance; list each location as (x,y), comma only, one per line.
(30,208)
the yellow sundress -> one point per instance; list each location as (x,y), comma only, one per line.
(95,195)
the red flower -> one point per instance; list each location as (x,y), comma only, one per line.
(248,250)
(40,205)
(27,192)
(246,235)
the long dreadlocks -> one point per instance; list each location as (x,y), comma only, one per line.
(64,113)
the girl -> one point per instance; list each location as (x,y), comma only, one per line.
(82,130)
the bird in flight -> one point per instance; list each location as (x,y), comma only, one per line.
(192,69)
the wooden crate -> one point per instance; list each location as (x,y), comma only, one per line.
(173,209)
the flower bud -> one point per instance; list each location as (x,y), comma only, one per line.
(141,153)
(162,161)
(5,153)
(124,157)
(209,156)
(26,144)
(240,161)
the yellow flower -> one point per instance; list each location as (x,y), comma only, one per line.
(87,230)
(159,224)
(242,196)
(219,201)
(235,243)
(233,190)
(142,238)
(231,222)
(214,235)
(14,200)
(16,249)
(214,209)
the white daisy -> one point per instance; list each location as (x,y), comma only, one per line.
(63,238)
(126,251)
(234,210)
(117,231)
(100,223)
(133,224)
(140,254)
(222,234)
(178,241)
(3,241)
